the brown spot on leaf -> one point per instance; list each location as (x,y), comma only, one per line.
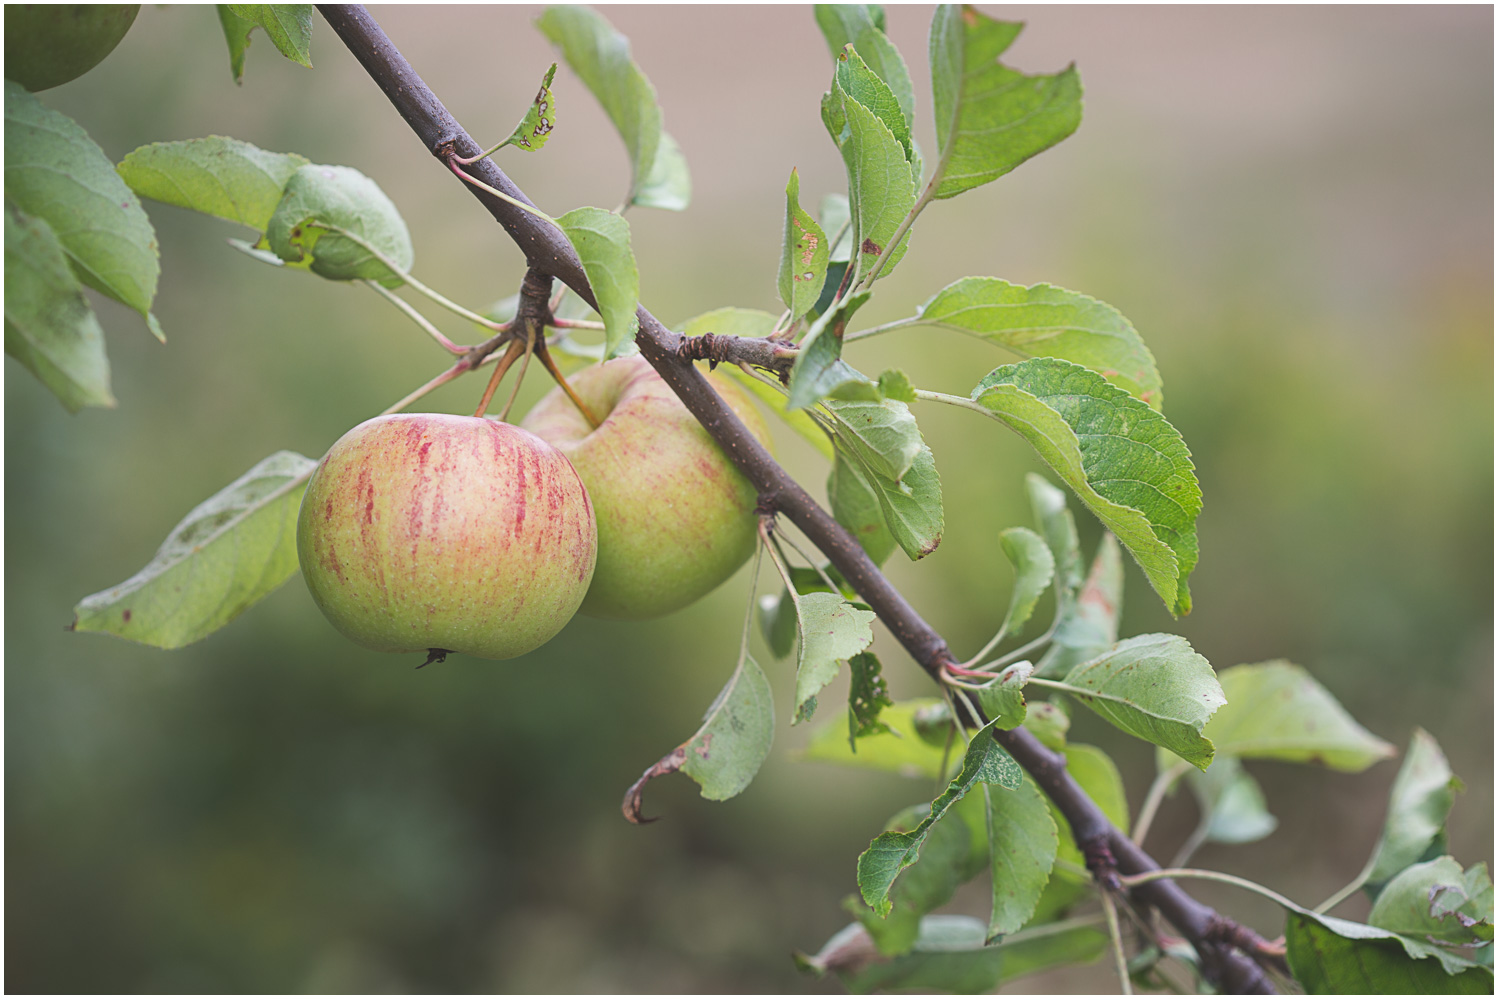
(869,246)
(126,616)
(670,764)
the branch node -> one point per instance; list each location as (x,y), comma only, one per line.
(1100,861)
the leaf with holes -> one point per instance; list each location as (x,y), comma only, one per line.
(215,175)
(868,696)
(229,552)
(804,255)
(536,124)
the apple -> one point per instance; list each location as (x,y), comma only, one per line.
(675,517)
(49,44)
(429,531)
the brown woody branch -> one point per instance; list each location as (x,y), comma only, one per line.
(548,251)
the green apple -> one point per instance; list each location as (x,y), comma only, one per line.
(47,44)
(675,517)
(433,531)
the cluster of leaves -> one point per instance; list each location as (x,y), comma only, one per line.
(1086,395)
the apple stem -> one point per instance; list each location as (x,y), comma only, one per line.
(556,373)
(502,366)
(521,375)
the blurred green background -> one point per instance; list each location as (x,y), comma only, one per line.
(1295,208)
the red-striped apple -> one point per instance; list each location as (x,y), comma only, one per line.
(675,517)
(432,531)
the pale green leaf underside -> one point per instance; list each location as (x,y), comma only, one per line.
(1277,710)
(912,508)
(1089,620)
(321,197)
(1423,794)
(829,629)
(1437,899)
(985,762)
(287,25)
(602,240)
(1155,687)
(229,552)
(600,56)
(1047,321)
(55,172)
(856,506)
(1022,849)
(882,433)
(49,326)
(991,118)
(726,753)
(1034,567)
(899,751)
(1124,461)
(216,175)
(804,255)
(1231,802)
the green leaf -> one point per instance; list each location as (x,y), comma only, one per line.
(1047,321)
(602,240)
(1048,723)
(49,326)
(600,56)
(237,36)
(991,118)
(829,630)
(1089,620)
(856,506)
(899,751)
(55,172)
(1438,900)
(1034,569)
(1155,687)
(726,752)
(1003,699)
(320,198)
(912,508)
(985,762)
(862,26)
(1022,849)
(669,184)
(536,125)
(230,551)
(896,385)
(862,84)
(287,25)
(819,367)
(1231,803)
(881,433)
(216,175)
(1126,463)
(1328,955)
(868,696)
(1423,795)
(804,255)
(880,188)
(1276,710)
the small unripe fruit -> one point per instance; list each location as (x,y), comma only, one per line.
(48,44)
(433,531)
(675,517)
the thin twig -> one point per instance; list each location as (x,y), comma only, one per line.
(1121,965)
(416,317)
(1154,797)
(416,394)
